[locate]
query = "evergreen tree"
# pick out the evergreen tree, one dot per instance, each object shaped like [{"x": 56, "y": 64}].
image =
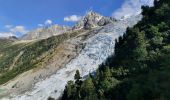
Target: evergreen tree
[
  {"x": 88, "y": 89},
  {"x": 107, "y": 73},
  {"x": 77, "y": 75},
  {"x": 70, "y": 91},
  {"x": 77, "y": 78},
  {"x": 139, "y": 51}
]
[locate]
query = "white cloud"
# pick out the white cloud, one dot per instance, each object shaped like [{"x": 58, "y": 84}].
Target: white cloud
[
  {"x": 48, "y": 22},
  {"x": 20, "y": 29},
  {"x": 131, "y": 7},
  {"x": 72, "y": 18},
  {"x": 6, "y": 34},
  {"x": 40, "y": 25},
  {"x": 13, "y": 30}
]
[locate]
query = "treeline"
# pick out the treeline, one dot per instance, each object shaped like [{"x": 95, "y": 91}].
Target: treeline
[{"x": 140, "y": 67}]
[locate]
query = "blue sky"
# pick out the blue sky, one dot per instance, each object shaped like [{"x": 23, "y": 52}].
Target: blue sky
[{"x": 19, "y": 16}]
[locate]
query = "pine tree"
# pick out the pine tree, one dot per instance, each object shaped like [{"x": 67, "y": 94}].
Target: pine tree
[
  {"x": 77, "y": 78},
  {"x": 77, "y": 75},
  {"x": 136, "y": 52},
  {"x": 88, "y": 89},
  {"x": 69, "y": 92},
  {"x": 107, "y": 73},
  {"x": 140, "y": 52}
]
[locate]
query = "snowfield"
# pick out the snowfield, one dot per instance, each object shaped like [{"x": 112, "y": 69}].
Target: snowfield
[{"x": 97, "y": 49}]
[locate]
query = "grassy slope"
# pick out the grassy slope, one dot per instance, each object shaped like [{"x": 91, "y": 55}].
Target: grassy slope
[{"x": 31, "y": 55}]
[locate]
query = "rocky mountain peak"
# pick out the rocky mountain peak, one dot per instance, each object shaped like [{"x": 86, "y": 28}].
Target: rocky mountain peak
[
  {"x": 92, "y": 20},
  {"x": 91, "y": 15}
]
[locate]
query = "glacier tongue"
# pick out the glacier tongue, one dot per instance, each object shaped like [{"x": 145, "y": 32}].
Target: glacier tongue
[{"x": 97, "y": 49}]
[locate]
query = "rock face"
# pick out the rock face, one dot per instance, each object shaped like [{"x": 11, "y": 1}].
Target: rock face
[
  {"x": 43, "y": 33},
  {"x": 92, "y": 20}
]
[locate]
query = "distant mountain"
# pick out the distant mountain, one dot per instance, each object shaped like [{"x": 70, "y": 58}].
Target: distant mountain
[
  {"x": 11, "y": 38},
  {"x": 45, "y": 32},
  {"x": 7, "y": 37},
  {"x": 92, "y": 20},
  {"x": 89, "y": 21}
]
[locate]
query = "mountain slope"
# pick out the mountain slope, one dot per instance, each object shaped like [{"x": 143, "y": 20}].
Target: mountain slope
[
  {"x": 7, "y": 40},
  {"x": 31, "y": 55},
  {"x": 93, "y": 46},
  {"x": 33, "y": 62},
  {"x": 139, "y": 68}
]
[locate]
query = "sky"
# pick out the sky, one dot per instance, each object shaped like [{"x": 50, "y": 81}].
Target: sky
[{"x": 17, "y": 17}]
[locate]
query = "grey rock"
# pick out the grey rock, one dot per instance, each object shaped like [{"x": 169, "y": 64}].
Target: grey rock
[
  {"x": 106, "y": 20},
  {"x": 92, "y": 20},
  {"x": 45, "y": 32}
]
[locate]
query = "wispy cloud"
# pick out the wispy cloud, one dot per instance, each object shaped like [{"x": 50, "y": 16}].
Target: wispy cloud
[
  {"x": 72, "y": 18},
  {"x": 46, "y": 23},
  {"x": 13, "y": 30},
  {"x": 131, "y": 7},
  {"x": 40, "y": 25}
]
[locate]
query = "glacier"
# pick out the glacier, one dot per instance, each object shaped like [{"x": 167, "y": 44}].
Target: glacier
[{"x": 97, "y": 48}]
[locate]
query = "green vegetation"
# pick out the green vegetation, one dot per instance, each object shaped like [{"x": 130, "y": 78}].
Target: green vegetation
[
  {"x": 18, "y": 58},
  {"x": 4, "y": 43},
  {"x": 139, "y": 69}
]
